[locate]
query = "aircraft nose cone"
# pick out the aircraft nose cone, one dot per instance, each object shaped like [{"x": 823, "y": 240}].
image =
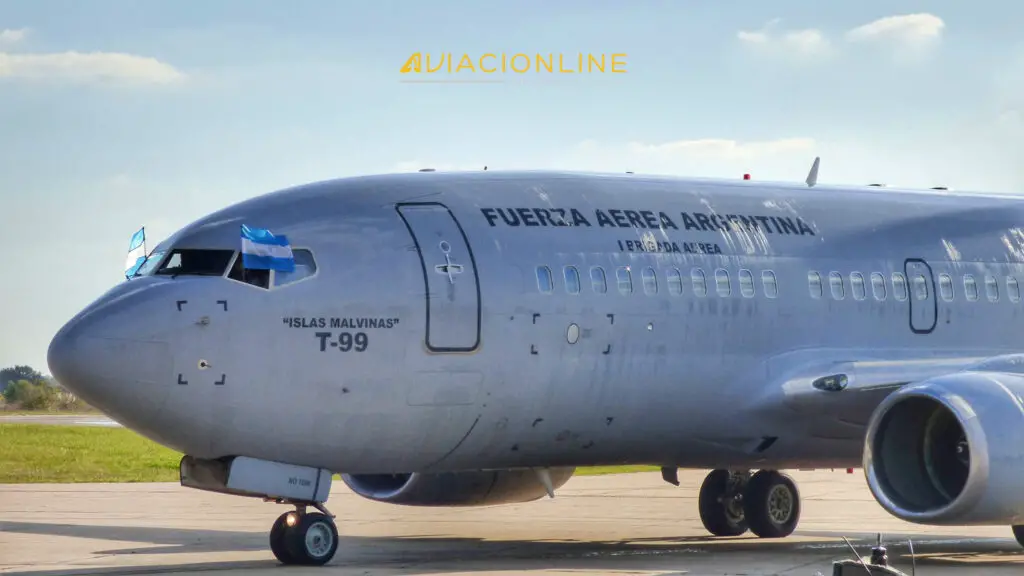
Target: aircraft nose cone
[
  {"x": 77, "y": 360},
  {"x": 60, "y": 357},
  {"x": 109, "y": 370}
]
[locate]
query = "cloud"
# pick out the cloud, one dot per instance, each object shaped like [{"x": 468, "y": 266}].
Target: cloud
[
  {"x": 87, "y": 67},
  {"x": 9, "y": 36},
  {"x": 721, "y": 149},
  {"x": 806, "y": 42},
  {"x": 710, "y": 157},
  {"x": 912, "y": 33},
  {"x": 784, "y": 158},
  {"x": 1010, "y": 118},
  {"x": 74, "y": 66},
  {"x": 752, "y": 37},
  {"x": 911, "y": 29}
]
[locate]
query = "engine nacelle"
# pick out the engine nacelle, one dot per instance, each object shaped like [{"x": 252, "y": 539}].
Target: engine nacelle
[
  {"x": 950, "y": 450},
  {"x": 456, "y": 488}
]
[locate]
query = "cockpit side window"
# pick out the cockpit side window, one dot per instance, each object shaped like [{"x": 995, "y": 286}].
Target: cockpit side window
[
  {"x": 305, "y": 266},
  {"x": 258, "y": 278},
  {"x": 149, "y": 266},
  {"x": 196, "y": 262}
]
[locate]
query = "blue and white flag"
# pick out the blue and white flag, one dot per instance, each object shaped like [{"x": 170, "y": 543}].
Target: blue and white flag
[
  {"x": 261, "y": 250},
  {"x": 136, "y": 253}
]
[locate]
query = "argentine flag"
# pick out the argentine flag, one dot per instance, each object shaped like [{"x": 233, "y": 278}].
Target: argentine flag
[
  {"x": 261, "y": 250},
  {"x": 136, "y": 253}
]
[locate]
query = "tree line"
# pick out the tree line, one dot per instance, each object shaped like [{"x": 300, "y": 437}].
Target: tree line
[{"x": 25, "y": 388}]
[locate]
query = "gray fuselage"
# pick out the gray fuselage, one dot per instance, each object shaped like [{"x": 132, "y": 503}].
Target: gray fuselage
[{"x": 427, "y": 339}]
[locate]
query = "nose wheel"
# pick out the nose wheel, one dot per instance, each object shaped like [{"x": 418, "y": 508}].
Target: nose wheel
[
  {"x": 767, "y": 503},
  {"x": 305, "y": 539}
]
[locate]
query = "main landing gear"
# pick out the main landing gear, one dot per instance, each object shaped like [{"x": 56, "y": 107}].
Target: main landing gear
[
  {"x": 766, "y": 503},
  {"x": 304, "y": 538}
]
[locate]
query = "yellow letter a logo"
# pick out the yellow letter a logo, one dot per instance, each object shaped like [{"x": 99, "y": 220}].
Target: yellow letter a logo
[{"x": 413, "y": 64}]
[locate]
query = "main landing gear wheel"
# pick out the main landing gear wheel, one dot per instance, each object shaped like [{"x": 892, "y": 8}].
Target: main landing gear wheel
[
  {"x": 721, "y": 503},
  {"x": 771, "y": 504},
  {"x": 1018, "y": 533},
  {"x": 307, "y": 539}
]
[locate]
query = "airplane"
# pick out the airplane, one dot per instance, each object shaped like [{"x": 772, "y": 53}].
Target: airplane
[{"x": 471, "y": 338}]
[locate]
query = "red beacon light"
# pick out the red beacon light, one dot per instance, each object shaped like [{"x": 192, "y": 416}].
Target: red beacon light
[{"x": 746, "y": 176}]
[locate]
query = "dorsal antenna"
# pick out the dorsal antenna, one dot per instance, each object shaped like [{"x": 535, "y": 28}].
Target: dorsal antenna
[{"x": 812, "y": 176}]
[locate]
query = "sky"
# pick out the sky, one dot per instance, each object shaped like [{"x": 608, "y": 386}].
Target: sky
[{"x": 119, "y": 114}]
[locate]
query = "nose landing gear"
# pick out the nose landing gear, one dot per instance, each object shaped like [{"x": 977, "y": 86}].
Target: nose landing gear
[{"x": 304, "y": 538}]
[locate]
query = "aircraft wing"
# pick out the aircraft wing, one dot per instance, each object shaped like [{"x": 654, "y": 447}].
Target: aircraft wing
[{"x": 836, "y": 398}]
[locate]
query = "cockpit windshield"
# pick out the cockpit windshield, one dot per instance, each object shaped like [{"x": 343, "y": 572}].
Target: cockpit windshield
[{"x": 196, "y": 262}]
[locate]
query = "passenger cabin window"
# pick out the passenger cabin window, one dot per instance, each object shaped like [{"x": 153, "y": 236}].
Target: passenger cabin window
[
  {"x": 857, "y": 286},
  {"x": 991, "y": 288},
  {"x": 814, "y": 284},
  {"x": 675, "y": 282},
  {"x": 899, "y": 286},
  {"x": 970, "y": 288},
  {"x": 878, "y": 286},
  {"x": 196, "y": 262},
  {"x": 597, "y": 280},
  {"x": 920, "y": 287},
  {"x": 700, "y": 285},
  {"x": 722, "y": 284},
  {"x": 946, "y": 287},
  {"x": 1012, "y": 289},
  {"x": 305, "y": 266},
  {"x": 835, "y": 283},
  {"x": 771, "y": 287},
  {"x": 650, "y": 280},
  {"x": 545, "y": 283},
  {"x": 746, "y": 284},
  {"x": 572, "y": 279},
  {"x": 625, "y": 280},
  {"x": 254, "y": 277}
]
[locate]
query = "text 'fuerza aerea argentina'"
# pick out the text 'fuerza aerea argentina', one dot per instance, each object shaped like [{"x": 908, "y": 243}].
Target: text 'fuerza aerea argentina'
[{"x": 647, "y": 219}]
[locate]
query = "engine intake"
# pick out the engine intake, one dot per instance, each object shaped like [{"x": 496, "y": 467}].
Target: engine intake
[
  {"x": 478, "y": 488},
  {"x": 923, "y": 457},
  {"x": 950, "y": 450}
]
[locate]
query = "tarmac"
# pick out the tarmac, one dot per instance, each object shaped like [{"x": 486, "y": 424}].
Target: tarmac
[
  {"x": 617, "y": 525},
  {"x": 59, "y": 419}
]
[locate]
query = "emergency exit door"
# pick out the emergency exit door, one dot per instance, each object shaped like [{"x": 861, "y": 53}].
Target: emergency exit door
[{"x": 450, "y": 276}]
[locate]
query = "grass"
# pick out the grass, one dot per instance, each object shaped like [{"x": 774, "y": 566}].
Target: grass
[
  {"x": 35, "y": 453},
  {"x": 31, "y": 453}
]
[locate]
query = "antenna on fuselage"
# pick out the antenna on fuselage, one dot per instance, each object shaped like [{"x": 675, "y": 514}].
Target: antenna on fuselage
[
  {"x": 812, "y": 176},
  {"x": 545, "y": 479}
]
